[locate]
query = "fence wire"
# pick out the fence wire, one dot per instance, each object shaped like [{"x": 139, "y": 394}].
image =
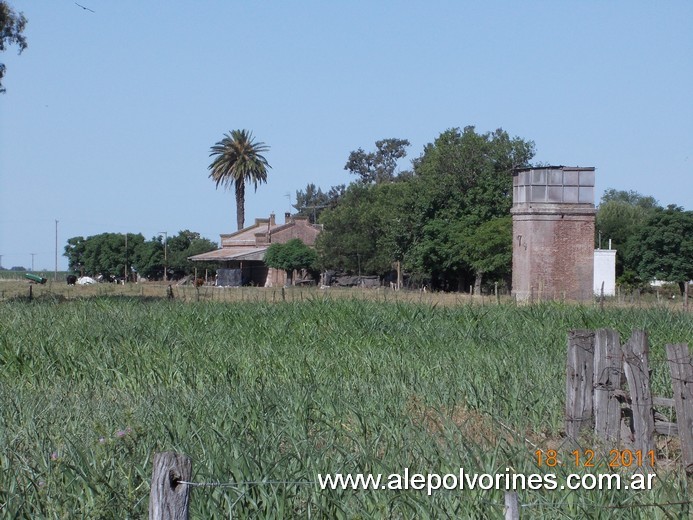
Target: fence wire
[{"x": 531, "y": 505}]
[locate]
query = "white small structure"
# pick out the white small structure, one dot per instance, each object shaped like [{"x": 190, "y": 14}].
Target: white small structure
[{"x": 605, "y": 271}]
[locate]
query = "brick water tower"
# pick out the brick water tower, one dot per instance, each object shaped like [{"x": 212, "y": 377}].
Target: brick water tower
[{"x": 553, "y": 233}]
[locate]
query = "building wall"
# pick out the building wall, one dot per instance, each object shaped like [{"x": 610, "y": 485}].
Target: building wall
[
  {"x": 605, "y": 271},
  {"x": 553, "y": 234},
  {"x": 299, "y": 228}
]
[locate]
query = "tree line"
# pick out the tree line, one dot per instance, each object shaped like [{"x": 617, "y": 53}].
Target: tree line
[
  {"x": 121, "y": 254},
  {"x": 445, "y": 221},
  {"x": 447, "y": 218},
  {"x": 651, "y": 241}
]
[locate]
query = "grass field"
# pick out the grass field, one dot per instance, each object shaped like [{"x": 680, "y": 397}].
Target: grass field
[{"x": 281, "y": 391}]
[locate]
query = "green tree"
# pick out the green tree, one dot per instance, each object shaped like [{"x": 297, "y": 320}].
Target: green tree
[
  {"x": 434, "y": 219},
  {"x": 238, "y": 159},
  {"x": 74, "y": 252},
  {"x": 184, "y": 245},
  {"x": 488, "y": 249},
  {"x": 12, "y": 26},
  {"x": 368, "y": 230},
  {"x": 663, "y": 247},
  {"x": 292, "y": 256},
  {"x": 311, "y": 202},
  {"x": 107, "y": 254},
  {"x": 631, "y": 197},
  {"x": 464, "y": 180},
  {"x": 620, "y": 216},
  {"x": 104, "y": 254},
  {"x": 148, "y": 259},
  {"x": 379, "y": 166}
]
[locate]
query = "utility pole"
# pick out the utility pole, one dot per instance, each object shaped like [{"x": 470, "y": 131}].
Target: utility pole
[
  {"x": 56, "y": 251},
  {"x": 32, "y": 261},
  {"x": 165, "y": 254},
  {"x": 315, "y": 217},
  {"x": 125, "y": 274}
]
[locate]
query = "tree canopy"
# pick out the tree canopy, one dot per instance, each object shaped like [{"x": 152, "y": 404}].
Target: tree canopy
[
  {"x": 488, "y": 250},
  {"x": 630, "y": 197},
  {"x": 430, "y": 218},
  {"x": 292, "y": 256},
  {"x": 108, "y": 254},
  {"x": 238, "y": 159},
  {"x": 620, "y": 216},
  {"x": 464, "y": 181},
  {"x": 312, "y": 201},
  {"x": 367, "y": 231},
  {"x": 379, "y": 166},
  {"x": 12, "y": 26},
  {"x": 663, "y": 247}
]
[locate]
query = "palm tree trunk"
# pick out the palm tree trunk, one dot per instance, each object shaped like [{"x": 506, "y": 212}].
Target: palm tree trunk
[{"x": 240, "y": 203}]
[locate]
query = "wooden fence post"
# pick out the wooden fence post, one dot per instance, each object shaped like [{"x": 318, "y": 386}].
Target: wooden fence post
[
  {"x": 601, "y": 298},
  {"x": 607, "y": 378},
  {"x": 637, "y": 368},
  {"x": 682, "y": 380},
  {"x": 168, "y": 499},
  {"x": 512, "y": 506},
  {"x": 579, "y": 381}
]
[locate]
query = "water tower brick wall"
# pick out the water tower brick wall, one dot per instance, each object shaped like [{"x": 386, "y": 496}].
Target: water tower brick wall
[
  {"x": 553, "y": 234},
  {"x": 553, "y": 256}
]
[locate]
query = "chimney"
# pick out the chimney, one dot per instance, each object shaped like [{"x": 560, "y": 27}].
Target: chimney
[
  {"x": 272, "y": 219},
  {"x": 287, "y": 217}
]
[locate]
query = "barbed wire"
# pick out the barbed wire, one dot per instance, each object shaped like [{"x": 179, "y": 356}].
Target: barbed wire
[
  {"x": 247, "y": 483},
  {"x": 239, "y": 484},
  {"x": 684, "y": 503}
]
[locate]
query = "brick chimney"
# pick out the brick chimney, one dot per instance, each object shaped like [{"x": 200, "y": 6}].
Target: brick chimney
[{"x": 287, "y": 217}]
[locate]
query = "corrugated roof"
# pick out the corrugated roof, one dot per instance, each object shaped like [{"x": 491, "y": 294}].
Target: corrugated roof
[
  {"x": 560, "y": 167},
  {"x": 226, "y": 254}
]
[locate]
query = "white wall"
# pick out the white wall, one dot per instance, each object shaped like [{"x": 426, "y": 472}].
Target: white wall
[{"x": 605, "y": 271}]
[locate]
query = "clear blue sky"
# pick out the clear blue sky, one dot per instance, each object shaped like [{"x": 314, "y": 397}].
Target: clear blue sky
[{"x": 109, "y": 116}]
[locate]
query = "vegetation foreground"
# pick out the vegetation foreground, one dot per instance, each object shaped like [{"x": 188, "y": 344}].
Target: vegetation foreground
[{"x": 262, "y": 391}]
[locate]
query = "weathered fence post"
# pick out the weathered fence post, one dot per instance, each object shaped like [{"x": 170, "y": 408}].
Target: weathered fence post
[
  {"x": 637, "y": 368},
  {"x": 607, "y": 379},
  {"x": 682, "y": 380},
  {"x": 579, "y": 381},
  {"x": 168, "y": 498},
  {"x": 601, "y": 298},
  {"x": 512, "y": 506}
]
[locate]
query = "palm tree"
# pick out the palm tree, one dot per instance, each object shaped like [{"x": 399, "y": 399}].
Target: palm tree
[{"x": 239, "y": 160}]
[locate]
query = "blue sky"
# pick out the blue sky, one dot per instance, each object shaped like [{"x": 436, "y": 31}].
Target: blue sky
[{"x": 109, "y": 116}]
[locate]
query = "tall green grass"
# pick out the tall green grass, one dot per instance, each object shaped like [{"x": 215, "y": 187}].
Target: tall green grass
[{"x": 261, "y": 391}]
